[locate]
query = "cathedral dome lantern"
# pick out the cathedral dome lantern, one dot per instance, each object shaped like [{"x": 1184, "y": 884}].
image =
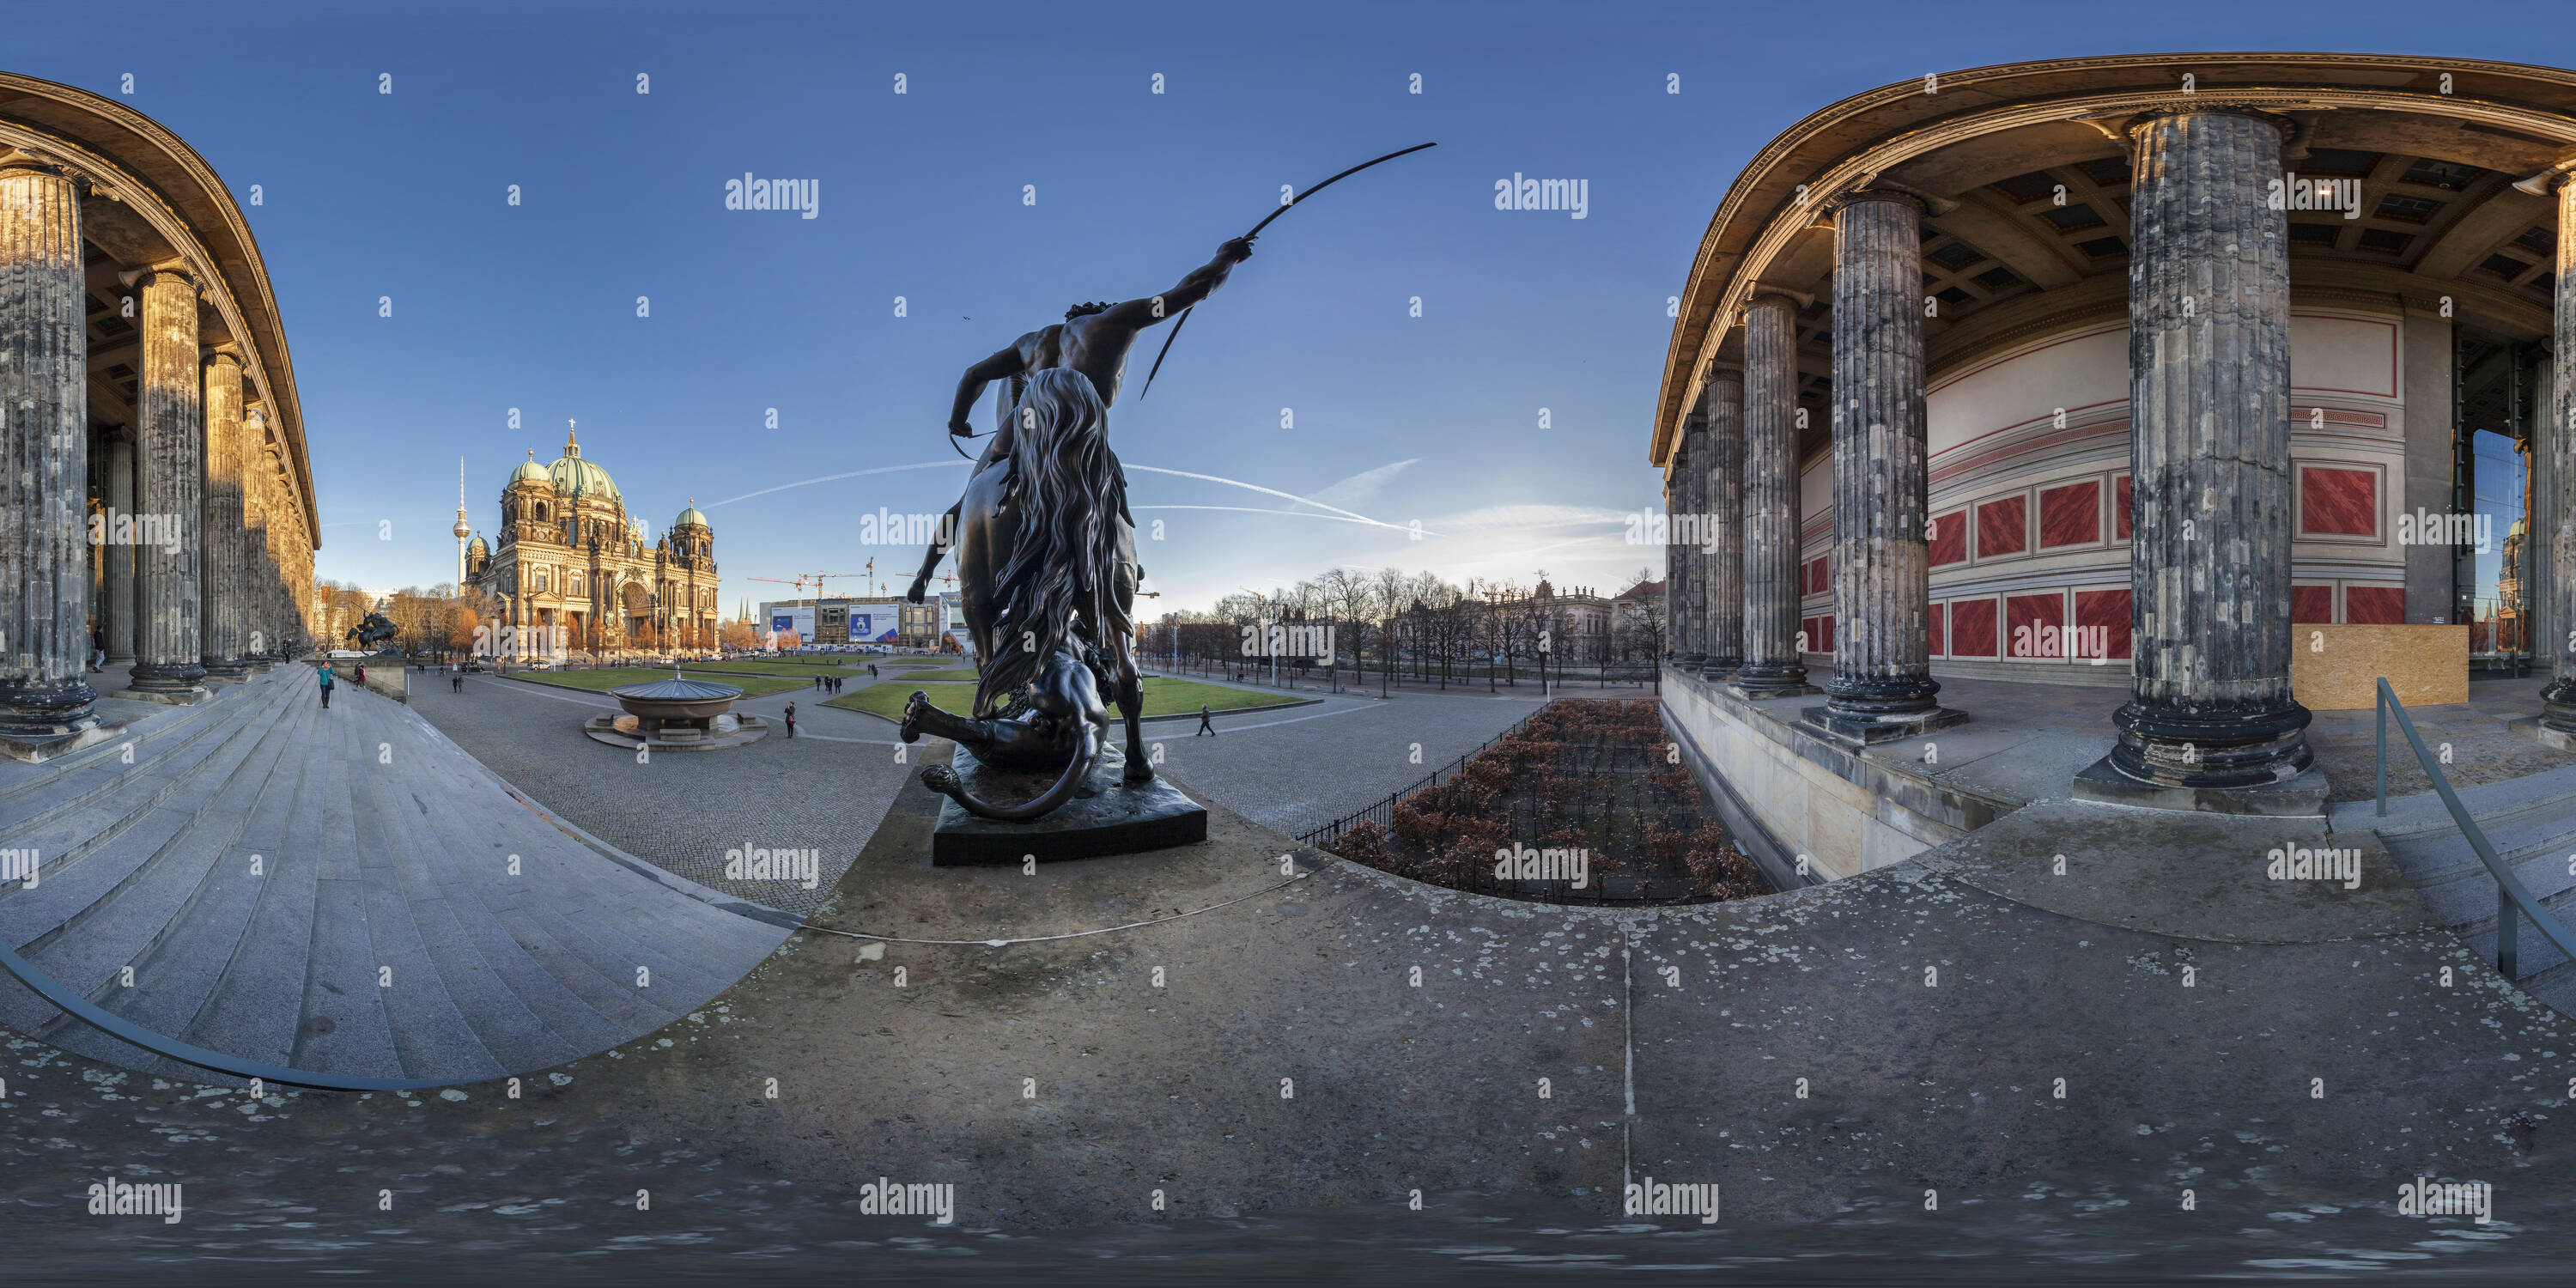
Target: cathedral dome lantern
[{"x": 577, "y": 479}]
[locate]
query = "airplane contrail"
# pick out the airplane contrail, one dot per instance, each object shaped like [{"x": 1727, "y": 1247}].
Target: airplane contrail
[{"x": 828, "y": 478}]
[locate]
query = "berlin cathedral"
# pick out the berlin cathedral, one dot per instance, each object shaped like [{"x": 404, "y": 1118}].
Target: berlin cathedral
[{"x": 572, "y": 563}]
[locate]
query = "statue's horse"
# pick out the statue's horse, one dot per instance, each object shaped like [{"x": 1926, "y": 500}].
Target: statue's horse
[
  {"x": 1047, "y": 575},
  {"x": 373, "y": 631}
]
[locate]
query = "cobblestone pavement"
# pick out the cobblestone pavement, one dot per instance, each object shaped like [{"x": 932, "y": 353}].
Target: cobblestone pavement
[
  {"x": 1287, "y": 770},
  {"x": 823, "y": 790}
]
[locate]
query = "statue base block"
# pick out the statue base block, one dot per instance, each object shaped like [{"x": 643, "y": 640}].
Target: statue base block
[{"x": 1105, "y": 817}]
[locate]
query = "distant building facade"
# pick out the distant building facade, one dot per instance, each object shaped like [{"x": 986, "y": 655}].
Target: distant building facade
[{"x": 573, "y": 563}]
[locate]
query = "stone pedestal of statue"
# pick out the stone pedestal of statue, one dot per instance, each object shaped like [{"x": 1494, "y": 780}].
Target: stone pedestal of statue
[{"x": 1105, "y": 816}]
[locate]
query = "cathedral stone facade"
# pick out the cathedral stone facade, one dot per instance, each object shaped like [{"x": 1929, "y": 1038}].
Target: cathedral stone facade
[{"x": 573, "y": 571}]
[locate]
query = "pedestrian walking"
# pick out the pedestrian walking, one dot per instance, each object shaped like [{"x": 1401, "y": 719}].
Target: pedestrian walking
[
  {"x": 362, "y": 672},
  {"x": 791, "y": 719},
  {"x": 327, "y": 680},
  {"x": 97, "y": 649},
  {"x": 456, "y": 683},
  {"x": 1204, "y": 726},
  {"x": 872, "y": 670}
]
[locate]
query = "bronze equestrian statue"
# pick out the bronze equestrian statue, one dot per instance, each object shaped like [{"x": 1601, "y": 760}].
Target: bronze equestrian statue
[
  {"x": 373, "y": 631},
  {"x": 1046, "y": 566},
  {"x": 1093, "y": 339}
]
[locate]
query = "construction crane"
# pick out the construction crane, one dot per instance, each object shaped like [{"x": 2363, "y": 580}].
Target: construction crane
[{"x": 800, "y": 581}]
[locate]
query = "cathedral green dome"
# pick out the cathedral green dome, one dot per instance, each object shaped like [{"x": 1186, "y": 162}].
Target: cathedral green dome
[
  {"x": 573, "y": 476},
  {"x": 529, "y": 472},
  {"x": 689, "y": 516}
]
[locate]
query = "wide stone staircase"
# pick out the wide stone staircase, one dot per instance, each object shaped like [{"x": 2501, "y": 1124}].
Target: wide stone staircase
[
  {"x": 2531, "y": 822},
  {"x": 341, "y": 891}
]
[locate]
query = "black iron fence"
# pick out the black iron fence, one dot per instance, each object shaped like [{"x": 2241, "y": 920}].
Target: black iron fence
[{"x": 1384, "y": 811}]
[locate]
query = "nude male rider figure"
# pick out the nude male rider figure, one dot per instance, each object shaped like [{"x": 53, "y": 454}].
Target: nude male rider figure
[{"x": 1093, "y": 339}]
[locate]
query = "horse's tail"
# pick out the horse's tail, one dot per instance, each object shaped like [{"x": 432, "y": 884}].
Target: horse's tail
[{"x": 943, "y": 780}]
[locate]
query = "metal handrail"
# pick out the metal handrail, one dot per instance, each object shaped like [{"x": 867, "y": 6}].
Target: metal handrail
[{"x": 2513, "y": 902}]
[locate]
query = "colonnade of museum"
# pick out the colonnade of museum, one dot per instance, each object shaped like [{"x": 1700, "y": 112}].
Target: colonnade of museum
[
  {"x": 2212, "y": 502},
  {"x": 168, "y": 534}
]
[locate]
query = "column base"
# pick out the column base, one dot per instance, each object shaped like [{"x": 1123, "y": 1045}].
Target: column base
[
  {"x": 1720, "y": 668},
  {"x": 2538, "y": 729},
  {"x": 229, "y": 671},
  {"x": 1691, "y": 661},
  {"x": 1864, "y": 730},
  {"x": 1759, "y": 681},
  {"x": 33, "y": 744},
  {"x": 2301, "y": 795},
  {"x": 179, "y": 686},
  {"x": 2557, "y": 709}
]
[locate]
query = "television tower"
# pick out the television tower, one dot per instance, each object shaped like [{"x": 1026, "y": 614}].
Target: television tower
[{"x": 462, "y": 529}]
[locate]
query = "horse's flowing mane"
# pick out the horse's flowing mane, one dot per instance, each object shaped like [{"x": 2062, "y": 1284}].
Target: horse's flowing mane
[{"x": 1063, "y": 563}]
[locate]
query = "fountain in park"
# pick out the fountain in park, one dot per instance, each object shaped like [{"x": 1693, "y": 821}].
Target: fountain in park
[{"x": 677, "y": 714}]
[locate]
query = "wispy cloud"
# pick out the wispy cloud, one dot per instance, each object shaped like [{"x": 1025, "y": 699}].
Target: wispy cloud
[
  {"x": 1360, "y": 488},
  {"x": 1526, "y": 517}
]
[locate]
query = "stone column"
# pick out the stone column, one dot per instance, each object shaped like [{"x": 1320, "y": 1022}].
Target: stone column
[
  {"x": 1691, "y": 646},
  {"x": 1723, "y": 406},
  {"x": 169, "y": 476},
  {"x": 46, "y": 704},
  {"x": 2210, "y": 711},
  {"x": 118, "y": 611},
  {"x": 1772, "y": 666},
  {"x": 261, "y": 638},
  {"x": 1882, "y": 687},
  {"x": 2558, "y": 698},
  {"x": 223, "y": 637},
  {"x": 1673, "y": 557}
]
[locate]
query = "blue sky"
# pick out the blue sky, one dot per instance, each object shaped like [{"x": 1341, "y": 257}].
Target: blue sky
[{"x": 1433, "y": 419}]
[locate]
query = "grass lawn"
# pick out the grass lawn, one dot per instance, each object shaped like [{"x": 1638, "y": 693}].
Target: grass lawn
[
  {"x": 801, "y": 667},
  {"x": 1163, "y": 697},
  {"x": 752, "y": 686}
]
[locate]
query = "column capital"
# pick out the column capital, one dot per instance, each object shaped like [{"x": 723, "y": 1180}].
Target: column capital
[
  {"x": 1877, "y": 189},
  {"x": 1766, "y": 293},
  {"x": 21, "y": 159},
  {"x": 142, "y": 275},
  {"x": 2263, "y": 110},
  {"x": 2548, "y": 182},
  {"x": 1718, "y": 371},
  {"x": 223, "y": 353}
]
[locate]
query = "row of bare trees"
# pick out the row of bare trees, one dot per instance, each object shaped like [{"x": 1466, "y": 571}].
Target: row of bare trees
[{"x": 1397, "y": 625}]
